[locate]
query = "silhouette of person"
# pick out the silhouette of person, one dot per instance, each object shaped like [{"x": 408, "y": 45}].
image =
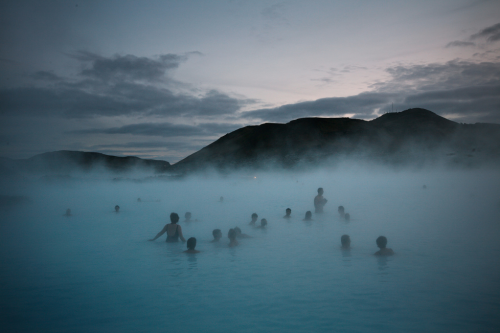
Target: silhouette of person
[
  {"x": 319, "y": 201},
  {"x": 221, "y": 199},
  {"x": 345, "y": 240},
  {"x": 347, "y": 217},
  {"x": 117, "y": 208},
  {"x": 191, "y": 244},
  {"x": 263, "y": 223},
  {"x": 308, "y": 216},
  {"x": 382, "y": 243},
  {"x": 288, "y": 213},
  {"x": 232, "y": 238},
  {"x": 254, "y": 219},
  {"x": 187, "y": 217},
  {"x": 139, "y": 200},
  {"x": 173, "y": 230},
  {"x": 217, "y": 235},
  {"x": 68, "y": 212},
  {"x": 341, "y": 211},
  {"x": 239, "y": 234}
]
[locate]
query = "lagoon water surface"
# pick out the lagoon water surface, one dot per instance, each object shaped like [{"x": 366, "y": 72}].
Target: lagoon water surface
[{"x": 96, "y": 271}]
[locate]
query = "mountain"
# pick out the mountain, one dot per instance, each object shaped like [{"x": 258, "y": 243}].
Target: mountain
[
  {"x": 408, "y": 137},
  {"x": 65, "y": 161}
]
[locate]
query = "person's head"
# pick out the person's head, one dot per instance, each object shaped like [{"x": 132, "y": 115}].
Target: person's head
[
  {"x": 68, "y": 211},
  {"x": 191, "y": 243},
  {"x": 320, "y": 191},
  {"x": 254, "y": 217},
  {"x": 237, "y": 230},
  {"x": 288, "y": 212},
  {"x": 308, "y": 215},
  {"x": 117, "y": 208},
  {"x": 341, "y": 209},
  {"x": 231, "y": 234},
  {"x": 381, "y": 242},
  {"x": 263, "y": 222},
  {"x": 138, "y": 199},
  {"x": 221, "y": 198},
  {"x": 174, "y": 218},
  {"x": 345, "y": 240},
  {"x": 217, "y": 233},
  {"x": 347, "y": 217},
  {"x": 187, "y": 216}
]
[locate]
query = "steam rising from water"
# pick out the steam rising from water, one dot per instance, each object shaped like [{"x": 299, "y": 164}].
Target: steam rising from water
[{"x": 96, "y": 271}]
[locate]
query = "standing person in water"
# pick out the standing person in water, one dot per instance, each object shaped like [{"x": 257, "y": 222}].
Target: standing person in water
[
  {"x": 341, "y": 211},
  {"x": 382, "y": 243},
  {"x": 187, "y": 217},
  {"x": 347, "y": 217},
  {"x": 232, "y": 238},
  {"x": 319, "y": 201},
  {"x": 308, "y": 216},
  {"x": 217, "y": 235},
  {"x": 191, "y": 244},
  {"x": 288, "y": 213},
  {"x": 263, "y": 223},
  {"x": 173, "y": 230},
  {"x": 117, "y": 208},
  {"x": 254, "y": 218},
  {"x": 345, "y": 240}
]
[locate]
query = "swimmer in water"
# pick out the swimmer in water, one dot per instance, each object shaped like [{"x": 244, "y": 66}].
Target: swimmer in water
[
  {"x": 341, "y": 211},
  {"x": 68, "y": 212},
  {"x": 187, "y": 217},
  {"x": 117, "y": 208},
  {"x": 263, "y": 223},
  {"x": 382, "y": 243},
  {"x": 232, "y": 238},
  {"x": 288, "y": 213},
  {"x": 254, "y": 219},
  {"x": 319, "y": 201},
  {"x": 139, "y": 200},
  {"x": 217, "y": 235},
  {"x": 173, "y": 230},
  {"x": 239, "y": 234},
  {"x": 345, "y": 240},
  {"x": 191, "y": 244},
  {"x": 347, "y": 217},
  {"x": 221, "y": 199},
  {"x": 308, "y": 216}
]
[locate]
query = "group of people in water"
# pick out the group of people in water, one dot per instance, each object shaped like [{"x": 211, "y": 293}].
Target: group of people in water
[{"x": 174, "y": 231}]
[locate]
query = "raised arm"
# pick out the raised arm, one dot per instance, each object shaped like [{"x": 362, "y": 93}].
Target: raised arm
[
  {"x": 164, "y": 230},
  {"x": 180, "y": 233}
]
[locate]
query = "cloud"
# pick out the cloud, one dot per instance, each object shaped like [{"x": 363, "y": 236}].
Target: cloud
[
  {"x": 491, "y": 34},
  {"x": 458, "y": 43},
  {"x": 165, "y": 129},
  {"x": 115, "y": 86}
]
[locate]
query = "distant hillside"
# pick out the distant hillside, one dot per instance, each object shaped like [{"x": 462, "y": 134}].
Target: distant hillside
[
  {"x": 65, "y": 161},
  {"x": 408, "y": 137}
]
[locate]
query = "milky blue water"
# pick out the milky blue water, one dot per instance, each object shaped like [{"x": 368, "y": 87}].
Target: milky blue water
[{"x": 96, "y": 271}]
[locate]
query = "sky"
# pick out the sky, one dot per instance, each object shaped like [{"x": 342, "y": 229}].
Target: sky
[{"x": 163, "y": 79}]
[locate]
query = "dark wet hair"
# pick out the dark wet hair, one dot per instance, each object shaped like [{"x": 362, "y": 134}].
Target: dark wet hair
[
  {"x": 381, "y": 242},
  {"x": 188, "y": 214},
  {"x": 231, "y": 234},
  {"x": 117, "y": 207},
  {"x": 237, "y": 230},
  {"x": 345, "y": 240},
  {"x": 320, "y": 189},
  {"x": 216, "y": 232},
  {"x": 288, "y": 209},
  {"x": 254, "y": 215},
  {"x": 191, "y": 243},
  {"x": 308, "y": 214},
  {"x": 347, "y": 217},
  {"x": 341, "y": 209},
  {"x": 263, "y": 222},
  {"x": 174, "y": 218}
]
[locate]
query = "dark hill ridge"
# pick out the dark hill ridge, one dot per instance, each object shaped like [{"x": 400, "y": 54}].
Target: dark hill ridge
[
  {"x": 410, "y": 136},
  {"x": 65, "y": 161}
]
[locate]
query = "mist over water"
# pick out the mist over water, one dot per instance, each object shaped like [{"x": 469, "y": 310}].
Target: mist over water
[{"x": 96, "y": 271}]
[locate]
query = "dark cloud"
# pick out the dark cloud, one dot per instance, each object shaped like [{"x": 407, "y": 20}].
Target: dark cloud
[
  {"x": 466, "y": 90},
  {"x": 128, "y": 67},
  {"x": 120, "y": 85},
  {"x": 491, "y": 34},
  {"x": 458, "y": 43},
  {"x": 165, "y": 129}
]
